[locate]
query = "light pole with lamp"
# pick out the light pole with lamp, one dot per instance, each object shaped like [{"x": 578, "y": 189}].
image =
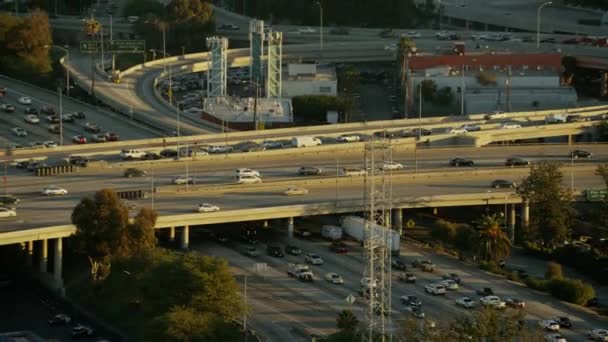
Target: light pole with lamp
[
  {"x": 320, "y": 29},
  {"x": 67, "y": 66},
  {"x": 60, "y": 114},
  {"x": 538, "y": 22}
]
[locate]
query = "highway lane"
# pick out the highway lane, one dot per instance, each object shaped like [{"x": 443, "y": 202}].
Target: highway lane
[
  {"x": 37, "y": 210},
  {"x": 107, "y": 120}
]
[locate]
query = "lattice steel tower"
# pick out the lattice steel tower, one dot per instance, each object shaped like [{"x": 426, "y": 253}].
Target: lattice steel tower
[
  {"x": 216, "y": 76},
  {"x": 275, "y": 59},
  {"x": 378, "y": 238},
  {"x": 256, "y": 42}
]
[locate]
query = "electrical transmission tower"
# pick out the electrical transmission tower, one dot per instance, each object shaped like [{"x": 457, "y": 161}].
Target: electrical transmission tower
[{"x": 378, "y": 238}]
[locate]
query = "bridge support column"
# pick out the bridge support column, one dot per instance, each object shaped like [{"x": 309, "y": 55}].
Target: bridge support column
[
  {"x": 58, "y": 263},
  {"x": 185, "y": 243},
  {"x": 44, "y": 254},
  {"x": 525, "y": 215},
  {"x": 512, "y": 223},
  {"x": 569, "y": 139},
  {"x": 172, "y": 234},
  {"x": 29, "y": 253},
  {"x": 398, "y": 219},
  {"x": 290, "y": 228},
  {"x": 265, "y": 224},
  {"x": 435, "y": 211}
]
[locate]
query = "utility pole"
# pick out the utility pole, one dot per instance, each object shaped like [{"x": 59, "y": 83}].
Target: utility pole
[
  {"x": 508, "y": 88},
  {"x": 462, "y": 86},
  {"x": 60, "y": 115}
]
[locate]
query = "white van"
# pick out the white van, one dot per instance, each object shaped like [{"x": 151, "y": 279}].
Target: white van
[
  {"x": 305, "y": 141},
  {"x": 132, "y": 154}
]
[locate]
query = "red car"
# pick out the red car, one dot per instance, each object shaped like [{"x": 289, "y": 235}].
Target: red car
[
  {"x": 2, "y": 91},
  {"x": 111, "y": 136},
  {"x": 338, "y": 247},
  {"x": 79, "y": 139}
]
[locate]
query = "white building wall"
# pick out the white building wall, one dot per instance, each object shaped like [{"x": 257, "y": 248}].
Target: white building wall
[
  {"x": 293, "y": 88},
  {"x": 541, "y": 81}
]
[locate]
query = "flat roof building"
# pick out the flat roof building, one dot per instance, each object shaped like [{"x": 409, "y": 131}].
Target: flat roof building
[{"x": 309, "y": 79}]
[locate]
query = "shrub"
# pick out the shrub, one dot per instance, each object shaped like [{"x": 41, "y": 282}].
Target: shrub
[
  {"x": 492, "y": 267},
  {"x": 537, "y": 283},
  {"x": 571, "y": 290},
  {"x": 538, "y": 251},
  {"x": 444, "y": 231},
  {"x": 554, "y": 271}
]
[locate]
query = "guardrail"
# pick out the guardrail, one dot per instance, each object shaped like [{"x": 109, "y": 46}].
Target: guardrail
[
  {"x": 56, "y": 170},
  {"x": 132, "y": 194}
]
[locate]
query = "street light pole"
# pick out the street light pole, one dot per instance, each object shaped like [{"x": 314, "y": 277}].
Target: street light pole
[
  {"x": 60, "y": 115},
  {"x": 67, "y": 66},
  {"x": 538, "y": 22},
  {"x": 111, "y": 40},
  {"x": 320, "y": 29}
]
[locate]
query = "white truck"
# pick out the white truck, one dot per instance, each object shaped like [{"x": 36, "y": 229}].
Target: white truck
[
  {"x": 299, "y": 271},
  {"x": 331, "y": 232},
  {"x": 305, "y": 141},
  {"x": 555, "y": 119},
  {"x": 354, "y": 227},
  {"x": 132, "y": 154}
]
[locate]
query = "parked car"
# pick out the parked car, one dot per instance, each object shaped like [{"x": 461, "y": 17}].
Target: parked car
[
  {"x": 580, "y": 154},
  {"x": 516, "y": 161},
  {"x": 309, "y": 171},
  {"x": 503, "y": 184},
  {"x": 459, "y": 161}
]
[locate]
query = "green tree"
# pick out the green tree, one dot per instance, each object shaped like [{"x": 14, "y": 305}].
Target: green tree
[
  {"x": 493, "y": 242},
  {"x": 347, "y": 322},
  {"x": 466, "y": 239},
  {"x": 488, "y": 324},
  {"x": 444, "y": 96},
  {"x": 103, "y": 231},
  {"x": 554, "y": 271},
  {"x": 550, "y": 209},
  {"x": 602, "y": 129},
  {"x": 429, "y": 90}
]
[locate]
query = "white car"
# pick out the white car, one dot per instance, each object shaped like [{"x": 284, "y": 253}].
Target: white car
[
  {"x": 6, "y": 212},
  {"x": 555, "y": 338},
  {"x": 391, "y": 165},
  {"x": 465, "y": 302},
  {"x": 435, "y": 289},
  {"x": 458, "y": 131},
  {"x": 493, "y": 301},
  {"x": 54, "y": 190},
  {"x": 25, "y": 100},
  {"x": 598, "y": 335},
  {"x": 18, "y": 131},
  {"x": 32, "y": 119},
  {"x": 313, "y": 259},
  {"x": 412, "y": 34},
  {"x": 219, "y": 149},
  {"x": 471, "y": 128},
  {"x": 510, "y": 125},
  {"x": 207, "y": 208},
  {"x": 292, "y": 190},
  {"x": 497, "y": 114},
  {"x": 549, "y": 324},
  {"x": 247, "y": 172},
  {"x": 449, "y": 284},
  {"x": 248, "y": 180},
  {"x": 50, "y": 144},
  {"x": 306, "y": 30},
  {"x": 348, "y": 138},
  {"x": 390, "y": 47},
  {"x": 353, "y": 171},
  {"x": 180, "y": 180},
  {"x": 555, "y": 119},
  {"x": 334, "y": 278}
]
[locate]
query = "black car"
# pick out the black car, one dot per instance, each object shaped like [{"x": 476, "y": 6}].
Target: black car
[
  {"x": 168, "y": 153},
  {"x": 411, "y": 301},
  {"x": 79, "y": 115},
  {"x": 421, "y": 132},
  {"x": 133, "y": 172},
  {"x": 342, "y": 31},
  {"x": 47, "y": 110},
  {"x": 515, "y": 303},
  {"x": 502, "y": 184},
  {"x": 23, "y": 164},
  {"x": 8, "y": 200},
  {"x": 293, "y": 250},
  {"x": 461, "y": 162},
  {"x": 79, "y": 161},
  {"x": 8, "y": 108},
  {"x": 564, "y": 322},
  {"x": 453, "y": 276},
  {"x": 275, "y": 251},
  {"x": 31, "y": 110},
  {"x": 151, "y": 156},
  {"x": 399, "y": 264},
  {"x": 59, "y": 319},
  {"x": 81, "y": 331},
  {"x": 515, "y": 161},
  {"x": 580, "y": 154},
  {"x": 576, "y": 118},
  {"x": 309, "y": 171},
  {"x": 486, "y": 291}
]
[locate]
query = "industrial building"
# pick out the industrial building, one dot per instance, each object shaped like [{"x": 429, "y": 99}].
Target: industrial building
[{"x": 309, "y": 79}]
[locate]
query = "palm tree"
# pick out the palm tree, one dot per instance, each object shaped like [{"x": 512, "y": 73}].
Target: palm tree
[
  {"x": 347, "y": 321},
  {"x": 494, "y": 244}
]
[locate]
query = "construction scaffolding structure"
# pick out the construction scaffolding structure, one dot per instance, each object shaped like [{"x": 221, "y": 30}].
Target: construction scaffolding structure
[
  {"x": 275, "y": 60},
  {"x": 218, "y": 66},
  {"x": 378, "y": 201},
  {"x": 256, "y": 42}
]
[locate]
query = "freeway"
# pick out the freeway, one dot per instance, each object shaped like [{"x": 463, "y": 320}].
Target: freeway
[
  {"x": 39, "y": 211},
  {"x": 107, "y": 120}
]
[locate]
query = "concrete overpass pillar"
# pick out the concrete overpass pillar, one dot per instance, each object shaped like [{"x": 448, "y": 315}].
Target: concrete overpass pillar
[
  {"x": 44, "y": 254},
  {"x": 172, "y": 234},
  {"x": 398, "y": 219},
  {"x": 185, "y": 243},
  {"x": 290, "y": 228},
  {"x": 265, "y": 224},
  {"x": 525, "y": 215},
  {"x": 29, "y": 253},
  {"x": 435, "y": 211},
  {"x": 569, "y": 139},
  {"x": 58, "y": 262},
  {"x": 512, "y": 223}
]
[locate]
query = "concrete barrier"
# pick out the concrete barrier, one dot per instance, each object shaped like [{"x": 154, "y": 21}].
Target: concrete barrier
[
  {"x": 132, "y": 194},
  {"x": 56, "y": 170}
]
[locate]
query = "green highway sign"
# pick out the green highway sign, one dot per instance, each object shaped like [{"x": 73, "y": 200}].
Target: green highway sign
[
  {"x": 596, "y": 195},
  {"x": 115, "y": 46}
]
